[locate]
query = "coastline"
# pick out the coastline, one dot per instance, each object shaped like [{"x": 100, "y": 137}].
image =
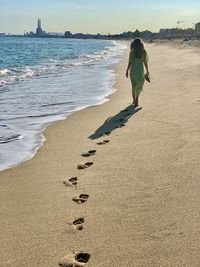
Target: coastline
[
  {"x": 41, "y": 135},
  {"x": 28, "y": 175},
  {"x": 137, "y": 179},
  {"x": 21, "y": 144}
]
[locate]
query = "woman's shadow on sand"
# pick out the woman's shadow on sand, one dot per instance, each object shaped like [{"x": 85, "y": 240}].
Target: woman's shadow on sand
[{"x": 117, "y": 121}]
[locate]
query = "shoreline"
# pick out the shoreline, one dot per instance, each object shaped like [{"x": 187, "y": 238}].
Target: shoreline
[
  {"x": 131, "y": 215},
  {"x": 31, "y": 142},
  {"x": 6, "y": 176},
  {"x": 41, "y": 134}
]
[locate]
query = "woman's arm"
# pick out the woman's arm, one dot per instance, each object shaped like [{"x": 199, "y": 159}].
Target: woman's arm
[
  {"x": 128, "y": 67},
  {"x": 129, "y": 63},
  {"x": 146, "y": 66},
  {"x": 146, "y": 59}
]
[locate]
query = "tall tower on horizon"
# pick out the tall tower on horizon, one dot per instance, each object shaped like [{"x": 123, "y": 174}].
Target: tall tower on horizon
[
  {"x": 39, "y": 24},
  {"x": 39, "y": 31}
]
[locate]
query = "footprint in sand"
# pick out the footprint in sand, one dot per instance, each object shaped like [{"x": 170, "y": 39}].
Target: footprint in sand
[
  {"x": 71, "y": 181},
  {"x": 89, "y": 153},
  {"x": 103, "y": 142},
  {"x": 84, "y": 166},
  {"x": 75, "y": 260},
  {"x": 78, "y": 223},
  {"x": 81, "y": 199}
]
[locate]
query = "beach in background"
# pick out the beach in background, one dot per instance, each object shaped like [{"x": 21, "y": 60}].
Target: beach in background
[{"x": 137, "y": 201}]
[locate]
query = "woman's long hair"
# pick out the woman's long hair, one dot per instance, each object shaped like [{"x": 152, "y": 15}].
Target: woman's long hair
[{"x": 138, "y": 48}]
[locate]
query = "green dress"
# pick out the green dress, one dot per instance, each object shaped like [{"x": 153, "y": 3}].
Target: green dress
[{"x": 137, "y": 72}]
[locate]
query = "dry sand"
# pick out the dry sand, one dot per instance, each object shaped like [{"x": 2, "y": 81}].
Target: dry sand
[
  {"x": 143, "y": 208},
  {"x": 179, "y": 43}
]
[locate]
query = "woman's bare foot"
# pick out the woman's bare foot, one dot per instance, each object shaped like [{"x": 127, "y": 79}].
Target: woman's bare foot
[{"x": 136, "y": 102}]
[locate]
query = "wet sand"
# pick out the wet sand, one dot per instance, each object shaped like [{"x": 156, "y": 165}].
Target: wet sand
[{"x": 137, "y": 205}]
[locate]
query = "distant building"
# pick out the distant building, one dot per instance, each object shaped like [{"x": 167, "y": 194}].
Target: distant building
[
  {"x": 56, "y": 34},
  {"x": 39, "y": 32},
  {"x": 176, "y": 33},
  {"x": 167, "y": 32},
  {"x": 30, "y": 34},
  {"x": 39, "y": 28},
  {"x": 197, "y": 26},
  {"x": 68, "y": 34},
  {"x": 146, "y": 34}
]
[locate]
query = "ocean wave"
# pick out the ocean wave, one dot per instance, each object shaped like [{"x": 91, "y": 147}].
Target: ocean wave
[
  {"x": 50, "y": 92},
  {"x": 55, "y": 67},
  {"x": 57, "y": 104},
  {"x": 13, "y": 118},
  {"x": 7, "y": 135},
  {"x": 4, "y": 71},
  {"x": 9, "y": 139}
]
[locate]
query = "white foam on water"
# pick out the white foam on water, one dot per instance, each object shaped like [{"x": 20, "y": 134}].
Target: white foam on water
[{"x": 34, "y": 96}]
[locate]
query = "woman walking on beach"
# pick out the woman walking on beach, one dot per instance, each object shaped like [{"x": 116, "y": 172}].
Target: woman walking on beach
[{"x": 137, "y": 58}]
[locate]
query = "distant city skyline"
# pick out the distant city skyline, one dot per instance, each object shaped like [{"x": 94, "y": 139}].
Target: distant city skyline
[{"x": 105, "y": 16}]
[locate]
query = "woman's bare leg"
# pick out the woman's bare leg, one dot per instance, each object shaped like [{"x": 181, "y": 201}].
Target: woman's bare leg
[
  {"x": 136, "y": 101},
  {"x": 133, "y": 98}
]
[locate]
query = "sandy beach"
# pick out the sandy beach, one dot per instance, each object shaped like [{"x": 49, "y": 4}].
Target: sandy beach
[{"x": 142, "y": 192}]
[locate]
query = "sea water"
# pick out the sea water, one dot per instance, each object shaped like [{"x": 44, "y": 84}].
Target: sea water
[{"x": 43, "y": 80}]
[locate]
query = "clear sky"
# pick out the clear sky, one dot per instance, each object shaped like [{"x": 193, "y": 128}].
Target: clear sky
[{"x": 96, "y": 16}]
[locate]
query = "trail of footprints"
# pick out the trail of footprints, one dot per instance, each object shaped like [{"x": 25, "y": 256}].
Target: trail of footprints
[{"x": 81, "y": 258}]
